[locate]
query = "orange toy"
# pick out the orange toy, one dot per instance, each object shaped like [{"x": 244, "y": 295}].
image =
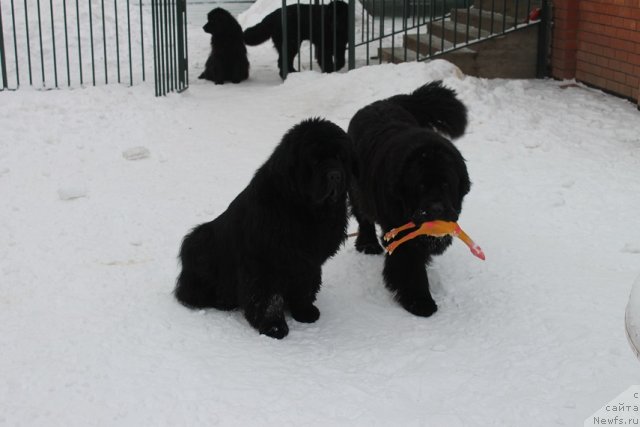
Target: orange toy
[{"x": 435, "y": 229}]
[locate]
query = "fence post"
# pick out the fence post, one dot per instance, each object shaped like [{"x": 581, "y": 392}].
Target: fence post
[
  {"x": 285, "y": 57},
  {"x": 543, "y": 40},
  {"x": 3, "y": 57},
  {"x": 352, "y": 34}
]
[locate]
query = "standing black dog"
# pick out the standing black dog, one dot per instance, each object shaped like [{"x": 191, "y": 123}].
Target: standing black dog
[
  {"x": 264, "y": 254},
  {"x": 312, "y": 22},
  {"x": 408, "y": 171},
  {"x": 228, "y": 59}
]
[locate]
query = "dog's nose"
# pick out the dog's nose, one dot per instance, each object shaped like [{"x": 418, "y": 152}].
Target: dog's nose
[
  {"x": 334, "y": 177},
  {"x": 436, "y": 209}
]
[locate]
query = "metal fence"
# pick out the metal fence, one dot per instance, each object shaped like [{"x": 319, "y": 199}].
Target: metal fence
[
  {"x": 410, "y": 30},
  {"x": 170, "y": 57},
  {"x": 75, "y": 43}
]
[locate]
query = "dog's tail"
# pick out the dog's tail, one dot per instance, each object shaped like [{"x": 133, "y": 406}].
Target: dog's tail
[
  {"x": 259, "y": 33},
  {"x": 435, "y": 106}
]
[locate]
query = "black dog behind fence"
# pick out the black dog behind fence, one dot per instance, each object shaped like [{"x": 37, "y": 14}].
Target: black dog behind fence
[{"x": 74, "y": 43}]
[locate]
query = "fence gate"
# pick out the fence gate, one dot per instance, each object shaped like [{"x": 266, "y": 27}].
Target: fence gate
[
  {"x": 170, "y": 58},
  {"x": 50, "y": 44}
]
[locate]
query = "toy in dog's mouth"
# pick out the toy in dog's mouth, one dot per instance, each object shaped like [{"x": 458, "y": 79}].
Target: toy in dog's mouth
[{"x": 435, "y": 229}]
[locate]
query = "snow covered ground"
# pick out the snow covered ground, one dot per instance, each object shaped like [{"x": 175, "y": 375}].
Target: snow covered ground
[{"x": 91, "y": 335}]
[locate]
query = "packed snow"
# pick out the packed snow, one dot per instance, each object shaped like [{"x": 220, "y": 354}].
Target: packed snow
[{"x": 99, "y": 185}]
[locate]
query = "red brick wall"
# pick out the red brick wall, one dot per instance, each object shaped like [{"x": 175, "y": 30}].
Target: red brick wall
[{"x": 598, "y": 42}]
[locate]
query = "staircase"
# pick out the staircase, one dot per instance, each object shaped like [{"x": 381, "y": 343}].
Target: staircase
[{"x": 480, "y": 39}]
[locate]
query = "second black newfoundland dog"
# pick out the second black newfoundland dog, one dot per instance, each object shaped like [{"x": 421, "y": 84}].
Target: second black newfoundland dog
[
  {"x": 228, "y": 58},
  {"x": 409, "y": 171},
  {"x": 326, "y": 26},
  {"x": 264, "y": 254}
]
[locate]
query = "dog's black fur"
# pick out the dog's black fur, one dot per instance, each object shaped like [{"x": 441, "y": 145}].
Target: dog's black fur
[
  {"x": 313, "y": 21},
  {"x": 408, "y": 171},
  {"x": 265, "y": 253},
  {"x": 228, "y": 59}
]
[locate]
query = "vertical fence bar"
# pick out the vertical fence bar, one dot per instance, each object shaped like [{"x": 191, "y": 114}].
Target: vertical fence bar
[
  {"x": 335, "y": 37},
  {"x": 15, "y": 42},
  {"x": 311, "y": 47},
  {"x": 129, "y": 43},
  {"x": 298, "y": 29},
  {"x": 186, "y": 44},
  {"x": 393, "y": 30},
  {"x": 41, "y": 48},
  {"x": 3, "y": 57},
  {"x": 285, "y": 60},
  {"x": 142, "y": 41},
  {"x": 167, "y": 52},
  {"x": 79, "y": 42},
  {"x": 155, "y": 45},
  {"x": 352, "y": 33},
  {"x": 322, "y": 37},
  {"x": 493, "y": 11},
  {"x": 480, "y": 19},
  {"x": 182, "y": 63},
  {"x": 174, "y": 54},
  {"x": 93, "y": 62},
  {"x": 515, "y": 16},
  {"x": 53, "y": 43},
  {"x": 66, "y": 40},
  {"x": 26, "y": 24},
  {"x": 504, "y": 15},
  {"x": 115, "y": 7},
  {"x": 381, "y": 29},
  {"x": 104, "y": 44}
]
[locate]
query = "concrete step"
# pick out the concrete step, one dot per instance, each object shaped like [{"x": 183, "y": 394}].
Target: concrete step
[
  {"x": 511, "y": 7},
  {"x": 492, "y": 22},
  {"x": 426, "y": 44},
  {"x": 396, "y": 55},
  {"x": 456, "y": 32}
]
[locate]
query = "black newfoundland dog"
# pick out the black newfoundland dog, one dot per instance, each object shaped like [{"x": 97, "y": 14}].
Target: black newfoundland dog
[
  {"x": 408, "y": 171},
  {"x": 228, "y": 59},
  {"x": 264, "y": 254},
  {"x": 312, "y": 22}
]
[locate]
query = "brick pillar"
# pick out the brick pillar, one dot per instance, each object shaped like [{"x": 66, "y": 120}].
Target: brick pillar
[{"x": 564, "y": 39}]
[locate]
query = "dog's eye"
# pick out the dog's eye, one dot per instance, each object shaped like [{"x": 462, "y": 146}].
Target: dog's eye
[{"x": 421, "y": 187}]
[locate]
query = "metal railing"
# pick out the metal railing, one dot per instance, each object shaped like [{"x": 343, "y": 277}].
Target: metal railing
[
  {"x": 170, "y": 57},
  {"x": 51, "y": 44},
  {"x": 417, "y": 30}
]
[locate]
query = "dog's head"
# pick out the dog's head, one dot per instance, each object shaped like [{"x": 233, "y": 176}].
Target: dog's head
[
  {"x": 431, "y": 179},
  {"x": 314, "y": 161},
  {"x": 220, "y": 21}
]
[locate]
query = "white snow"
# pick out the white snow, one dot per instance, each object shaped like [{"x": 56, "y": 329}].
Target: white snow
[{"x": 90, "y": 333}]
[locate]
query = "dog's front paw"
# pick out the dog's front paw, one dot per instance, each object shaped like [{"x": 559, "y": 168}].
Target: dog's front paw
[
  {"x": 275, "y": 329},
  {"x": 423, "y": 306},
  {"x": 369, "y": 247},
  {"x": 306, "y": 314}
]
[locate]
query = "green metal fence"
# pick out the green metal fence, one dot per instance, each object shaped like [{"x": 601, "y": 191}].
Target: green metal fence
[
  {"x": 170, "y": 60},
  {"x": 51, "y": 44}
]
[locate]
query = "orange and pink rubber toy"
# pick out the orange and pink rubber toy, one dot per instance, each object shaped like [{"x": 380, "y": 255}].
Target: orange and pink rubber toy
[{"x": 435, "y": 229}]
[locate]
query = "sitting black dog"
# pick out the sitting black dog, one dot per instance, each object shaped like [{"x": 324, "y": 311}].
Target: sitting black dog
[
  {"x": 312, "y": 22},
  {"x": 228, "y": 59},
  {"x": 408, "y": 171},
  {"x": 265, "y": 253}
]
